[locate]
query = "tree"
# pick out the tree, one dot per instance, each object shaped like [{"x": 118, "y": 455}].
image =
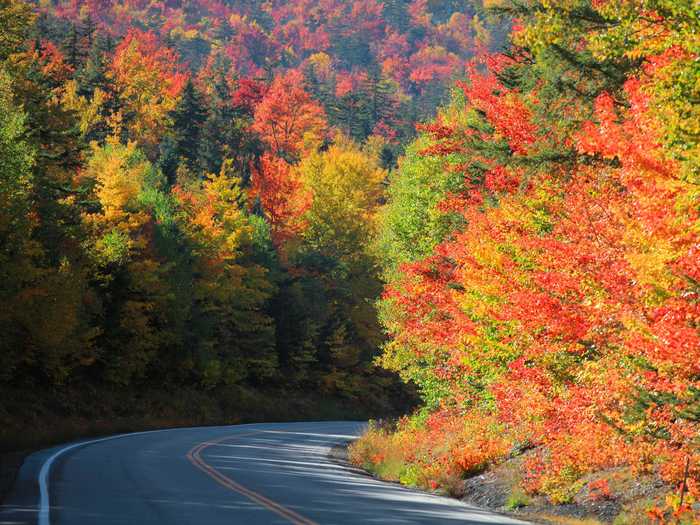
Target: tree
[
  {"x": 148, "y": 80},
  {"x": 236, "y": 340},
  {"x": 283, "y": 197},
  {"x": 15, "y": 21},
  {"x": 47, "y": 335},
  {"x": 225, "y": 134},
  {"x": 188, "y": 118},
  {"x": 131, "y": 281},
  {"x": 289, "y": 122},
  {"x": 561, "y": 306},
  {"x": 345, "y": 186},
  {"x": 16, "y": 225}
]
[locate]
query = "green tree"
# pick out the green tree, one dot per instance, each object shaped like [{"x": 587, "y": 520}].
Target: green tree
[
  {"x": 236, "y": 337},
  {"x": 188, "y": 118},
  {"x": 15, "y": 21}
]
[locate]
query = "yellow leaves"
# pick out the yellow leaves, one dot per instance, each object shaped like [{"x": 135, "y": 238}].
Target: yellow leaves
[
  {"x": 346, "y": 187},
  {"x": 322, "y": 65},
  {"x": 119, "y": 181},
  {"x": 88, "y": 111},
  {"x": 120, "y": 175},
  {"x": 651, "y": 264}
]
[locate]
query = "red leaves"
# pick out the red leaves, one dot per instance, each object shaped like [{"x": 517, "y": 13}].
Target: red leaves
[
  {"x": 248, "y": 94},
  {"x": 288, "y": 120},
  {"x": 282, "y": 195},
  {"x": 568, "y": 294},
  {"x": 504, "y": 109}
]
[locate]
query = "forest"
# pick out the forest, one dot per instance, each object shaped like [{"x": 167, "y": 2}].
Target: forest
[
  {"x": 484, "y": 214},
  {"x": 188, "y": 197}
]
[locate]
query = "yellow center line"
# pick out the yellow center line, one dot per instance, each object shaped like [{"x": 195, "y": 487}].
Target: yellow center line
[{"x": 195, "y": 457}]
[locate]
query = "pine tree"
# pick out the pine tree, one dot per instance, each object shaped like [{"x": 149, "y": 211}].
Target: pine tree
[
  {"x": 88, "y": 30},
  {"x": 396, "y": 13},
  {"x": 93, "y": 77},
  {"x": 188, "y": 118},
  {"x": 71, "y": 47}
]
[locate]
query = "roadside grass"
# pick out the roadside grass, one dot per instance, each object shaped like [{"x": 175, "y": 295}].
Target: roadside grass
[
  {"x": 517, "y": 499},
  {"x": 33, "y": 420}
]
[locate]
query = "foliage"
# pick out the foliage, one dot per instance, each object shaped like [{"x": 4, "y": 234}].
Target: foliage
[
  {"x": 174, "y": 195},
  {"x": 564, "y": 302}
]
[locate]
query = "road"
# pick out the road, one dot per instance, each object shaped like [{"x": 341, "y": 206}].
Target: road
[{"x": 276, "y": 473}]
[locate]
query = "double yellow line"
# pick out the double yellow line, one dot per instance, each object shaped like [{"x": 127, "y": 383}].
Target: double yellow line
[{"x": 195, "y": 457}]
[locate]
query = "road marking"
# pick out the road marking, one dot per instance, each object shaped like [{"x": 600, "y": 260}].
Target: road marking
[
  {"x": 44, "y": 500},
  {"x": 194, "y": 456}
]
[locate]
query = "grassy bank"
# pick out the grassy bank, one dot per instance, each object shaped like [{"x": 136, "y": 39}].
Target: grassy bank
[{"x": 36, "y": 419}]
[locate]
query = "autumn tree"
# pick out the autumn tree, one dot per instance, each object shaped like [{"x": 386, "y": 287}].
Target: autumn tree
[
  {"x": 283, "y": 197},
  {"x": 345, "y": 186},
  {"x": 236, "y": 340},
  {"x": 225, "y": 133},
  {"x": 560, "y": 307},
  {"x": 48, "y": 333},
  {"x": 289, "y": 122},
  {"x": 148, "y": 80},
  {"x": 129, "y": 277}
]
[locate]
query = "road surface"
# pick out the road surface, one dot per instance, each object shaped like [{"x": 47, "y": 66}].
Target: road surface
[{"x": 259, "y": 474}]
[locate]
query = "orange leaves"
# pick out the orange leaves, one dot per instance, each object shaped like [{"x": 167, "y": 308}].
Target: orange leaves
[
  {"x": 288, "y": 120},
  {"x": 569, "y": 296},
  {"x": 282, "y": 195},
  {"x": 600, "y": 490},
  {"x": 149, "y": 79}
]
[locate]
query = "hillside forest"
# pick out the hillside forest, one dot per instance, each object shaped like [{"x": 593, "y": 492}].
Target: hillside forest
[
  {"x": 188, "y": 196},
  {"x": 481, "y": 213}
]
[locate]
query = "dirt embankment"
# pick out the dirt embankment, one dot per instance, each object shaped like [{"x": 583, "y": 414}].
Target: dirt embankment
[{"x": 622, "y": 499}]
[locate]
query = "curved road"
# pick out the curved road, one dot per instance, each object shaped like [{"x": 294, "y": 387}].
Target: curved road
[{"x": 276, "y": 473}]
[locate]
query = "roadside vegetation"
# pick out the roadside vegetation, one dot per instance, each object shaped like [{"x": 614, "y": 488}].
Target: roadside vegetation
[{"x": 540, "y": 248}]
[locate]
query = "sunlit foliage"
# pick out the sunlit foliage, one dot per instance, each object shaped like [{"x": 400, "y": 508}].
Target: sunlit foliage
[{"x": 562, "y": 305}]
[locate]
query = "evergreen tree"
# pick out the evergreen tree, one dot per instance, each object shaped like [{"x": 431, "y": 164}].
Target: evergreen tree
[
  {"x": 395, "y": 12},
  {"x": 71, "y": 47},
  {"x": 225, "y": 132},
  {"x": 188, "y": 118},
  {"x": 93, "y": 78},
  {"x": 87, "y": 31}
]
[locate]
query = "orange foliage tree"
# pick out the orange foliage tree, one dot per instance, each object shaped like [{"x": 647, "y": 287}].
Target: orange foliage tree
[
  {"x": 288, "y": 120},
  {"x": 149, "y": 79}
]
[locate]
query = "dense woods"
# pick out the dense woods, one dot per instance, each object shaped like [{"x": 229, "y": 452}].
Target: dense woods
[
  {"x": 540, "y": 245},
  {"x": 188, "y": 195}
]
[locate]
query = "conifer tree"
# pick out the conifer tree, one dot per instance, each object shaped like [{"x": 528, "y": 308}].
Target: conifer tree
[{"x": 188, "y": 118}]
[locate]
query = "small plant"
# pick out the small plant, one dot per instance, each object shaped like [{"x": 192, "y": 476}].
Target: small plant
[
  {"x": 599, "y": 490},
  {"x": 517, "y": 499},
  {"x": 623, "y": 519},
  {"x": 409, "y": 475}
]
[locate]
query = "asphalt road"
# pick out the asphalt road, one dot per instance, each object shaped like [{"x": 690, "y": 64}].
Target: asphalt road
[{"x": 276, "y": 473}]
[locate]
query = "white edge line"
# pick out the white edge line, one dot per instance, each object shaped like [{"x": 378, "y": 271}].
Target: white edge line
[{"x": 44, "y": 503}]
